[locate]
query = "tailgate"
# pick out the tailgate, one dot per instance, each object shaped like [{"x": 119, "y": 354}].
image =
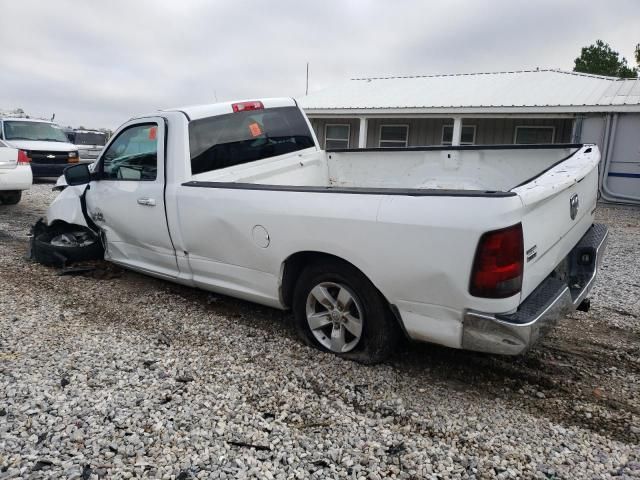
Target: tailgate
[
  {"x": 8, "y": 157},
  {"x": 559, "y": 208}
]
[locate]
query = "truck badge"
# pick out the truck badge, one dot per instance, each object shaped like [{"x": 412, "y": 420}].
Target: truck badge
[{"x": 574, "y": 203}]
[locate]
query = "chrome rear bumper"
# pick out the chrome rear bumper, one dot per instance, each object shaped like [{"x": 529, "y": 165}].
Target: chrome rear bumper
[{"x": 554, "y": 298}]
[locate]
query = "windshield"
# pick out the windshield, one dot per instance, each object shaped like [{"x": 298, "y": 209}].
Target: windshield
[
  {"x": 46, "y": 132},
  {"x": 90, "y": 138}
]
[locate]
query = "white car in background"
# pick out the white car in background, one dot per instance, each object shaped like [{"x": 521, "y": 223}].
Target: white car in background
[{"x": 15, "y": 174}]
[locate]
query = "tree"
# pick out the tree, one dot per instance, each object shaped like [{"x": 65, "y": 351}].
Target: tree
[
  {"x": 600, "y": 59},
  {"x": 638, "y": 54}
]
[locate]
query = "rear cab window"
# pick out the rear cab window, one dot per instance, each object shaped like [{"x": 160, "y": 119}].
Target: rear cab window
[{"x": 242, "y": 137}]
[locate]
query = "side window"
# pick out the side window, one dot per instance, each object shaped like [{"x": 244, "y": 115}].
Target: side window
[
  {"x": 133, "y": 155},
  {"x": 532, "y": 135},
  {"x": 467, "y": 136},
  {"x": 393, "y": 136},
  {"x": 336, "y": 136}
]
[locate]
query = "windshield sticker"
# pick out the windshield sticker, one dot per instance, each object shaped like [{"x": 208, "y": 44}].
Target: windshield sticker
[
  {"x": 255, "y": 129},
  {"x": 153, "y": 132}
]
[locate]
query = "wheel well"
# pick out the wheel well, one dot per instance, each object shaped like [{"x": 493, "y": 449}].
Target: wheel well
[
  {"x": 57, "y": 227},
  {"x": 62, "y": 226},
  {"x": 295, "y": 264}
]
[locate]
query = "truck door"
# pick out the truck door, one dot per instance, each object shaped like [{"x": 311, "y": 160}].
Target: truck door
[{"x": 127, "y": 199}]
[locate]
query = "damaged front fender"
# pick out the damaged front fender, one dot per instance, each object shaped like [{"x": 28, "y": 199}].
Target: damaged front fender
[{"x": 67, "y": 207}]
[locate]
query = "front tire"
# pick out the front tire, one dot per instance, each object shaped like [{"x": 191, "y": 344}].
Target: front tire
[
  {"x": 59, "y": 246},
  {"x": 338, "y": 310},
  {"x": 10, "y": 198}
]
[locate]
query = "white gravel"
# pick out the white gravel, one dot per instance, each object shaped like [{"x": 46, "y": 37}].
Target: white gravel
[{"x": 117, "y": 375}]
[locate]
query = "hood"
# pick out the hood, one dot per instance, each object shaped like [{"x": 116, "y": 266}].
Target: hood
[{"x": 42, "y": 146}]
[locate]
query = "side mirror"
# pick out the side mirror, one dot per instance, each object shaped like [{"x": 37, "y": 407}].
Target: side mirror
[{"x": 77, "y": 174}]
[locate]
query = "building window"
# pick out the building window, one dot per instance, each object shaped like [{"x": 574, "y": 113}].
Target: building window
[
  {"x": 467, "y": 136},
  {"x": 336, "y": 136},
  {"x": 393, "y": 136},
  {"x": 530, "y": 135}
]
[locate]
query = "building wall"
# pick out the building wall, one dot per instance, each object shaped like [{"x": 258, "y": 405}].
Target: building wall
[
  {"x": 428, "y": 131},
  {"x": 496, "y": 131},
  {"x": 422, "y": 131},
  {"x": 319, "y": 124}
]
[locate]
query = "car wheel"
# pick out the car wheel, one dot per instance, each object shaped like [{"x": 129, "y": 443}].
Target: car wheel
[
  {"x": 338, "y": 310},
  {"x": 11, "y": 198},
  {"x": 58, "y": 247}
]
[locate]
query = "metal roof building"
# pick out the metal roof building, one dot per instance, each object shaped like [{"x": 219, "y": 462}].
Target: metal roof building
[
  {"x": 507, "y": 92},
  {"x": 528, "y": 106}
]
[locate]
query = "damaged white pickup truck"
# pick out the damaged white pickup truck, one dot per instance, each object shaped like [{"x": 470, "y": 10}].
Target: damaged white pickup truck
[{"x": 474, "y": 247}]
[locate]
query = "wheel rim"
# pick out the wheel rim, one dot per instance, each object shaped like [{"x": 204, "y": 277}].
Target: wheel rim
[
  {"x": 72, "y": 239},
  {"x": 334, "y": 316}
]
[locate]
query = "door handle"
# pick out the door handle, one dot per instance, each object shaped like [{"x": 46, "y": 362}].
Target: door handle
[{"x": 149, "y": 202}]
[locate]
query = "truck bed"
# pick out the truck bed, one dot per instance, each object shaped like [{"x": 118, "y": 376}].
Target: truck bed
[
  {"x": 543, "y": 178},
  {"x": 477, "y": 168}
]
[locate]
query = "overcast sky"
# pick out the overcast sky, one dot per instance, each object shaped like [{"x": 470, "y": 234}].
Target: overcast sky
[{"x": 98, "y": 63}]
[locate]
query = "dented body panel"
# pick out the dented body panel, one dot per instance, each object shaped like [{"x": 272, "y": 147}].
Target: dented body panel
[
  {"x": 66, "y": 207},
  {"x": 409, "y": 219}
]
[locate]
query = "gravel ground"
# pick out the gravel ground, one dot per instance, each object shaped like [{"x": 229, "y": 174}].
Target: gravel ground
[{"x": 117, "y": 375}]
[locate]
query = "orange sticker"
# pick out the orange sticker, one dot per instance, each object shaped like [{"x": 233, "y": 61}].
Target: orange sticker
[
  {"x": 153, "y": 132},
  {"x": 255, "y": 130}
]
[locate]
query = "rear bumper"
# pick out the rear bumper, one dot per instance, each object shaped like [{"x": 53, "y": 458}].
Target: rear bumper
[{"x": 515, "y": 333}]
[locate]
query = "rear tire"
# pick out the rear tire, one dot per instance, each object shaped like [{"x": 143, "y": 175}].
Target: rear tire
[
  {"x": 10, "y": 198},
  {"x": 338, "y": 310},
  {"x": 58, "y": 254}
]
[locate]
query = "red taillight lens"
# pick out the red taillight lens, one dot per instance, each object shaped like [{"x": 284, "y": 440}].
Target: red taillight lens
[
  {"x": 497, "y": 268},
  {"x": 23, "y": 157},
  {"x": 242, "y": 106}
]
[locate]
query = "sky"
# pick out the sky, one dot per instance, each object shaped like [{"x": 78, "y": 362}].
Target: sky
[{"x": 96, "y": 64}]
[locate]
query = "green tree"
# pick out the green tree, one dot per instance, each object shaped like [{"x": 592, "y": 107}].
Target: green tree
[
  {"x": 600, "y": 59},
  {"x": 638, "y": 54}
]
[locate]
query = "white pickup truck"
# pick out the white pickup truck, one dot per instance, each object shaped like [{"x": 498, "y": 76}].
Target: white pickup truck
[{"x": 474, "y": 247}]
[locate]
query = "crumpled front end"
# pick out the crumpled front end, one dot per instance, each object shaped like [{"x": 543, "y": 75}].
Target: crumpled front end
[{"x": 66, "y": 207}]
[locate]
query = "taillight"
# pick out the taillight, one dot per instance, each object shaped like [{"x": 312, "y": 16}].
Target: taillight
[
  {"x": 23, "y": 158},
  {"x": 243, "y": 106},
  {"x": 498, "y": 265}
]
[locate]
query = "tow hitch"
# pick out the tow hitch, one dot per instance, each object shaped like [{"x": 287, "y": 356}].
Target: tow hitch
[{"x": 585, "y": 305}]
